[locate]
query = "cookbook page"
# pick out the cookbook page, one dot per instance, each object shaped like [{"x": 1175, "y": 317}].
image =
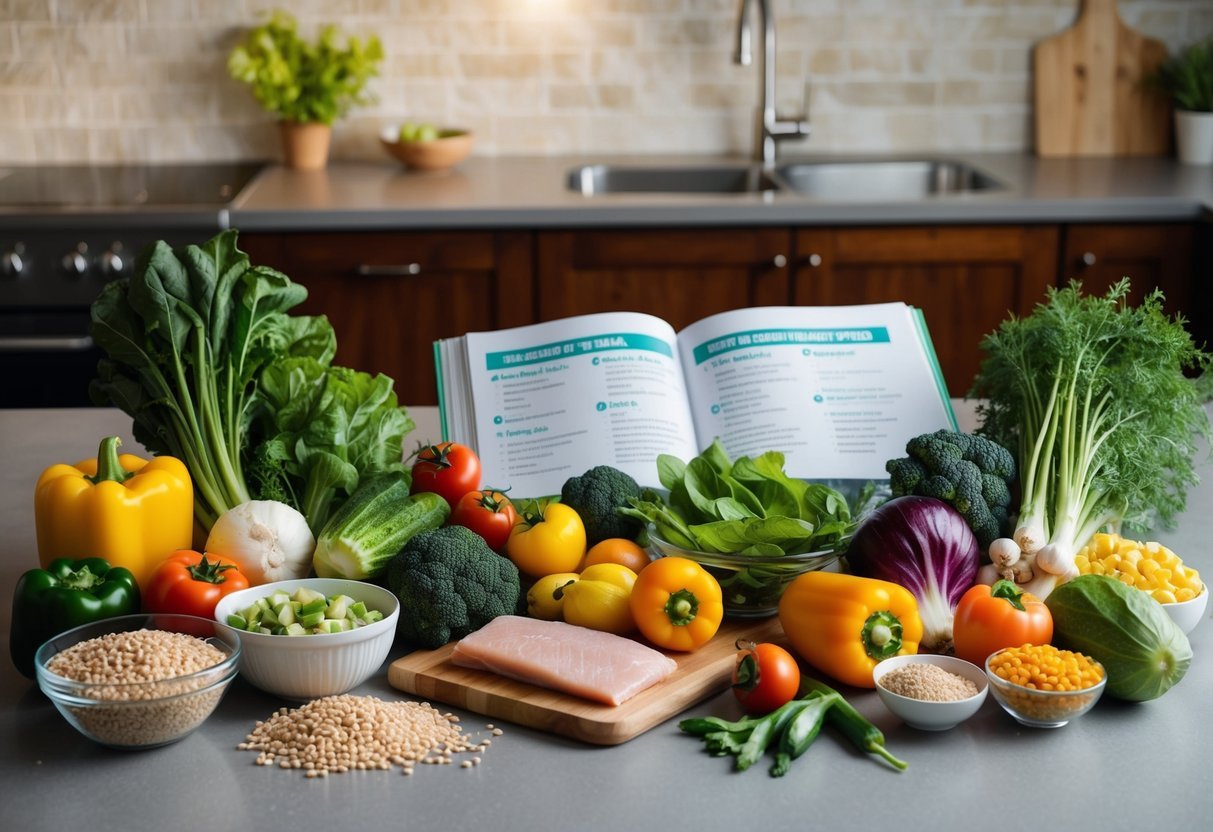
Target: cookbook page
[
  {"x": 552, "y": 400},
  {"x": 838, "y": 389}
]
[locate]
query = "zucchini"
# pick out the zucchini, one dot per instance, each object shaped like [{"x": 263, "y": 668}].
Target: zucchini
[
  {"x": 1143, "y": 651},
  {"x": 373, "y": 525}
]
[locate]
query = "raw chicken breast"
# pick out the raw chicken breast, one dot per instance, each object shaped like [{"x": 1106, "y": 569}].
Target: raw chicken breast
[{"x": 594, "y": 665}]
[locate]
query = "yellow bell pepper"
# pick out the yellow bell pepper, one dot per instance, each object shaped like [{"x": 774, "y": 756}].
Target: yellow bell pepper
[
  {"x": 843, "y": 624},
  {"x": 129, "y": 511},
  {"x": 677, "y": 604},
  {"x": 599, "y": 599}
]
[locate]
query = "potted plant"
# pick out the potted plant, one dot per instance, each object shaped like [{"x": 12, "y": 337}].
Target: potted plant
[
  {"x": 307, "y": 85},
  {"x": 1188, "y": 78}
]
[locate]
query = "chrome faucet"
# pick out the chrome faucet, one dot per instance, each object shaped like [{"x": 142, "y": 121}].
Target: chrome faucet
[{"x": 768, "y": 127}]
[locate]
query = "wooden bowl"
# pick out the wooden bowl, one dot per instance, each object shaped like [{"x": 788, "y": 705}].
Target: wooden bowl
[{"x": 450, "y": 148}]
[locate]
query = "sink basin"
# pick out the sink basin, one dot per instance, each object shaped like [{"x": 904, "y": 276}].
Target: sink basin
[
  {"x": 594, "y": 180},
  {"x": 881, "y": 180}
]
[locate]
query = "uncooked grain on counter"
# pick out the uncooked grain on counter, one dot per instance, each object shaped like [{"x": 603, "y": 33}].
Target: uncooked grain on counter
[
  {"x": 928, "y": 683},
  {"x": 347, "y": 733}
]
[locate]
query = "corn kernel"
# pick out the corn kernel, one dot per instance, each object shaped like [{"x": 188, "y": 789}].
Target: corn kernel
[
  {"x": 1165, "y": 596},
  {"x": 1184, "y": 594},
  {"x": 1132, "y": 556},
  {"x": 1147, "y": 566}
]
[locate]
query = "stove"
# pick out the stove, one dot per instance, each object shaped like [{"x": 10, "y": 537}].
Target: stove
[{"x": 65, "y": 231}]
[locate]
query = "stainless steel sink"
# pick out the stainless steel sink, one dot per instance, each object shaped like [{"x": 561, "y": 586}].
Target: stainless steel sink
[
  {"x": 593, "y": 180},
  {"x": 880, "y": 180},
  {"x": 862, "y": 180}
]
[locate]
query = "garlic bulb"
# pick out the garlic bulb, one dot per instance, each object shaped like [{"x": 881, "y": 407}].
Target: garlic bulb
[{"x": 269, "y": 540}]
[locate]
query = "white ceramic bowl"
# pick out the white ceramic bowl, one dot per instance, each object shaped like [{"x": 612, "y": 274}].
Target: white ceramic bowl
[
  {"x": 323, "y": 664},
  {"x": 1187, "y": 614},
  {"x": 932, "y": 716}
]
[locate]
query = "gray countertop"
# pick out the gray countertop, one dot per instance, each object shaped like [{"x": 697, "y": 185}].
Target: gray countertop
[
  {"x": 1120, "y": 767},
  {"x": 530, "y": 192}
]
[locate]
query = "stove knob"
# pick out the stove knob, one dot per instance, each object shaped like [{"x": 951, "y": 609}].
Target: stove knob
[
  {"x": 11, "y": 262},
  {"x": 113, "y": 262},
  {"x": 75, "y": 263}
]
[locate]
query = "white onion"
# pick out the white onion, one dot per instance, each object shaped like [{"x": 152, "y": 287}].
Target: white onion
[{"x": 270, "y": 541}]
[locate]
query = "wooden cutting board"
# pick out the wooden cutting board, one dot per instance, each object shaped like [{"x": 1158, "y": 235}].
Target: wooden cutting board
[
  {"x": 431, "y": 675},
  {"x": 1090, "y": 95}
]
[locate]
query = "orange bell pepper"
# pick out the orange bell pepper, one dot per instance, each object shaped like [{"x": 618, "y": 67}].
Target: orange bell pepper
[
  {"x": 843, "y": 624},
  {"x": 129, "y": 511},
  {"x": 677, "y": 604}
]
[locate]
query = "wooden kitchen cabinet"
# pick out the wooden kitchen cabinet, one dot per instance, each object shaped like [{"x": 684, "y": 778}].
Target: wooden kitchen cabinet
[
  {"x": 1152, "y": 256},
  {"x": 390, "y": 295},
  {"x": 966, "y": 279},
  {"x": 680, "y": 275}
]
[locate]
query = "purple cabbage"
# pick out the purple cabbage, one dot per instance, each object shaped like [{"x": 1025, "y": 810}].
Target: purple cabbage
[{"x": 924, "y": 545}]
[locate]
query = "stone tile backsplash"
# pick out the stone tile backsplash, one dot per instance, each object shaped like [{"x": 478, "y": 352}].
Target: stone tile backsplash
[{"x": 145, "y": 80}]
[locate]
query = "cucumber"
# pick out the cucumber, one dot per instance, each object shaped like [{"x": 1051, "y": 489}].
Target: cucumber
[
  {"x": 1143, "y": 651},
  {"x": 372, "y": 526}
]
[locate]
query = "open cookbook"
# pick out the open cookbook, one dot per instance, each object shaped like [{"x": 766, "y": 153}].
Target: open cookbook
[{"x": 839, "y": 390}]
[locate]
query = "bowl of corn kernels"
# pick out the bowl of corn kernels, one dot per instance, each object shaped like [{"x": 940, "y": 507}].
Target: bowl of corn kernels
[
  {"x": 1152, "y": 568},
  {"x": 1042, "y": 686}
]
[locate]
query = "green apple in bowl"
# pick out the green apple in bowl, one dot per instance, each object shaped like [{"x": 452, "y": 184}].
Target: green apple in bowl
[{"x": 414, "y": 132}]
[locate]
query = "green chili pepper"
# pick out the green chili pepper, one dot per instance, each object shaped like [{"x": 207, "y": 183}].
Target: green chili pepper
[
  {"x": 66, "y": 594},
  {"x": 843, "y": 716}
]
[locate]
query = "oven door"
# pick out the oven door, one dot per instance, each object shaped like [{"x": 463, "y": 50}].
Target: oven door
[{"x": 47, "y": 358}]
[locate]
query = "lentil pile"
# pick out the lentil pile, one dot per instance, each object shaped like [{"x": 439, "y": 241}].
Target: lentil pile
[
  {"x": 928, "y": 683},
  {"x": 353, "y": 733},
  {"x": 135, "y": 714}
]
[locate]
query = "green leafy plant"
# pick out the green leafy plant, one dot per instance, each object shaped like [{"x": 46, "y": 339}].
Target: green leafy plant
[
  {"x": 1188, "y": 77},
  {"x": 305, "y": 81},
  {"x": 202, "y": 353}
]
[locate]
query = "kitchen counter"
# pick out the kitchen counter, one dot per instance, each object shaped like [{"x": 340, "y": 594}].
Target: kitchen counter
[
  {"x": 530, "y": 192},
  {"x": 1120, "y": 767}
]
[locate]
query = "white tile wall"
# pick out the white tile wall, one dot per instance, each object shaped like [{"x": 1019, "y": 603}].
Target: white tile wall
[{"x": 136, "y": 80}]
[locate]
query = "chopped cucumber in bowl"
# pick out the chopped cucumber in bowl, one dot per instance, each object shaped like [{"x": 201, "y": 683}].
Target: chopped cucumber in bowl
[
  {"x": 350, "y": 627},
  {"x": 304, "y": 612}
]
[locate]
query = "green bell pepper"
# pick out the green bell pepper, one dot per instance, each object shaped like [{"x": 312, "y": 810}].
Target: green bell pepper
[{"x": 66, "y": 594}]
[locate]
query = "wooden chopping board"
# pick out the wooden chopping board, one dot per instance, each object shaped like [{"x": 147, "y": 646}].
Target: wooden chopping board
[
  {"x": 1090, "y": 95},
  {"x": 707, "y": 671}
]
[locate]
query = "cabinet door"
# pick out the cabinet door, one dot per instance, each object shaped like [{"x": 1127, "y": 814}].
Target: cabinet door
[
  {"x": 680, "y": 275},
  {"x": 389, "y": 296},
  {"x": 965, "y": 279},
  {"x": 1151, "y": 256}
]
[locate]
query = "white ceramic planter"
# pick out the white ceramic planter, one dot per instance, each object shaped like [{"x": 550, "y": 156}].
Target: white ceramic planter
[{"x": 1194, "y": 137}]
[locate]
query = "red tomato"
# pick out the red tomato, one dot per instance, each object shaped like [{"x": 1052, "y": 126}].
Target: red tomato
[
  {"x": 489, "y": 514},
  {"x": 765, "y": 677},
  {"x": 191, "y": 583},
  {"x": 447, "y": 469}
]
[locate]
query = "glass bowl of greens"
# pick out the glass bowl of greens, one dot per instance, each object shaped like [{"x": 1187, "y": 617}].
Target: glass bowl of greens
[{"x": 752, "y": 584}]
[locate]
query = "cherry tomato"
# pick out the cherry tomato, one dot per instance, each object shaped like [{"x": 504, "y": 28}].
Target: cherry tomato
[
  {"x": 765, "y": 677},
  {"x": 489, "y": 514},
  {"x": 191, "y": 583},
  {"x": 989, "y": 618},
  {"x": 618, "y": 550},
  {"x": 447, "y": 469}
]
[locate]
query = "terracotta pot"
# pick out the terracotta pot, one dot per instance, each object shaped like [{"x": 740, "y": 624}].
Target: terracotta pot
[
  {"x": 1194, "y": 137},
  {"x": 305, "y": 145}
]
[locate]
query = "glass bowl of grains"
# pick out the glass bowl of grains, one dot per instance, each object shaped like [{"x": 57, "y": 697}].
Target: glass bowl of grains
[
  {"x": 930, "y": 692},
  {"x": 138, "y": 681},
  {"x": 1044, "y": 687}
]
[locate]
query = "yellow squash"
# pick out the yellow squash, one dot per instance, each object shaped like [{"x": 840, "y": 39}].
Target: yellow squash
[
  {"x": 599, "y": 599},
  {"x": 843, "y": 624},
  {"x": 129, "y": 511}
]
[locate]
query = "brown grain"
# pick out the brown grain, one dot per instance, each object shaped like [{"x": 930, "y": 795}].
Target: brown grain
[{"x": 928, "y": 683}]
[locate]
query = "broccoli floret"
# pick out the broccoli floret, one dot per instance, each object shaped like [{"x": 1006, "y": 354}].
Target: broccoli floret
[
  {"x": 595, "y": 496},
  {"x": 971, "y": 473},
  {"x": 450, "y": 583}
]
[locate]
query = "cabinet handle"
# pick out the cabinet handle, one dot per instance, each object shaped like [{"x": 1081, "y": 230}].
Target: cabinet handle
[
  {"x": 779, "y": 261},
  {"x": 814, "y": 260},
  {"x": 389, "y": 271},
  {"x": 1088, "y": 258}
]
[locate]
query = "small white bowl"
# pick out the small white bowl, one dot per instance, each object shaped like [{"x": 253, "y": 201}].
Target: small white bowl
[
  {"x": 932, "y": 716},
  {"x": 321, "y": 664},
  {"x": 1187, "y": 614}
]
